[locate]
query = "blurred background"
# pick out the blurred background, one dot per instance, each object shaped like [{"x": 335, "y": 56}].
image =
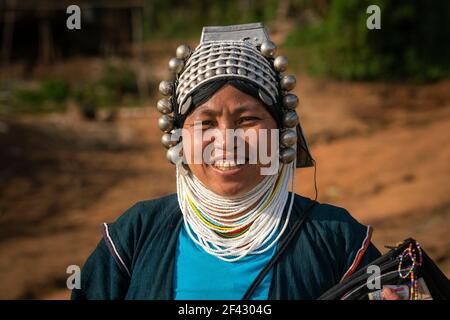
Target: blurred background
[{"x": 79, "y": 142}]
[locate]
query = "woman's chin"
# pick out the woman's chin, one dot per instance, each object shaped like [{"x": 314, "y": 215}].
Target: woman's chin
[
  {"x": 231, "y": 185},
  {"x": 229, "y": 190}
]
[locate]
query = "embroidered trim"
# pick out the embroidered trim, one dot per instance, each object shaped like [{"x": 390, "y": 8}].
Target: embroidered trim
[
  {"x": 359, "y": 254},
  {"x": 113, "y": 249}
]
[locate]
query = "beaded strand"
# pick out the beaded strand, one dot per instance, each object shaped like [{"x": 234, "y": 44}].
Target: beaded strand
[{"x": 415, "y": 255}]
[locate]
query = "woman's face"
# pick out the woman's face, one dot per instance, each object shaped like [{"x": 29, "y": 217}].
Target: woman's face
[{"x": 228, "y": 108}]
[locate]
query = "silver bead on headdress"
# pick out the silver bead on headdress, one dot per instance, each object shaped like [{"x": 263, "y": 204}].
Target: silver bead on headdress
[{"x": 242, "y": 52}]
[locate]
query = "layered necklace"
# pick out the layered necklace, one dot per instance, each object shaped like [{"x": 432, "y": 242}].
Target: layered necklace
[{"x": 231, "y": 228}]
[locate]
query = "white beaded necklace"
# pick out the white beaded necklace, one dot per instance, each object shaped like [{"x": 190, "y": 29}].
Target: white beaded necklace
[{"x": 207, "y": 214}]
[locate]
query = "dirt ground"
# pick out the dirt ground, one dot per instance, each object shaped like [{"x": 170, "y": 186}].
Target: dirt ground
[{"x": 382, "y": 151}]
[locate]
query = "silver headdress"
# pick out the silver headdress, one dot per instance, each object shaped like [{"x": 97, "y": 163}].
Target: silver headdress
[{"x": 242, "y": 52}]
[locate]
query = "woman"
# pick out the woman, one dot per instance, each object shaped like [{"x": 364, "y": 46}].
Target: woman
[{"x": 233, "y": 212}]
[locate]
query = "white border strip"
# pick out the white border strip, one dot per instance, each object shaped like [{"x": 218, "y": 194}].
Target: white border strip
[
  {"x": 114, "y": 248},
  {"x": 363, "y": 247}
]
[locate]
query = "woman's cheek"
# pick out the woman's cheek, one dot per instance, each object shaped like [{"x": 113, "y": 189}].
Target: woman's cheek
[
  {"x": 263, "y": 143},
  {"x": 196, "y": 151},
  {"x": 188, "y": 147}
]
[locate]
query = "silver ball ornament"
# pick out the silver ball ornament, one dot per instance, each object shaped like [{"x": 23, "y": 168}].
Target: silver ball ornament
[
  {"x": 164, "y": 106},
  {"x": 173, "y": 154},
  {"x": 280, "y": 63},
  {"x": 290, "y": 101},
  {"x": 166, "y": 123},
  {"x": 183, "y": 52},
  {"x": 268, "y": 49},
  {"x": 288, "y": 138},
  {"x": 288, "y": 155},
  {"x": 290, "y": 119},
  {"x": 176, "y": 65},
  {"x": 168, "y": 141},
  {"x": 166, "y": 87},
  {"x": 288, "y": 82}
]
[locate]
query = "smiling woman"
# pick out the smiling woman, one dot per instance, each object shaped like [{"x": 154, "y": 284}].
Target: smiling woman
[
  {"x": 232, "y": 230},
  {"x": 229, "y": 109}
]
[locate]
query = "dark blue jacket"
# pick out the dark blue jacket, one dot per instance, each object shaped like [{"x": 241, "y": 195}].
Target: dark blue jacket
[{"x": 136, "y": 257}]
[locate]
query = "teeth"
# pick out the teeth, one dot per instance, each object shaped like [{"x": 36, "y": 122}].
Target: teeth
[{"x": 225, "y": 164}]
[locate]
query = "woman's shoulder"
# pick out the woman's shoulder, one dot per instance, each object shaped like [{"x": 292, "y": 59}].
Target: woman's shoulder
[
  {"x": 329, "y": 216},
  {"x": 149, "y": 211},
  {"x": 332, "y": 240},
  {"x": 338, "y": 232},
  {"x": 140, "y": 222}
]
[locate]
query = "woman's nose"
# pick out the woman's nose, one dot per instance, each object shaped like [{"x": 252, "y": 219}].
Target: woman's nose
[
  {"x": 226, "y": 139},
  {"x": 220, "y": 141}
]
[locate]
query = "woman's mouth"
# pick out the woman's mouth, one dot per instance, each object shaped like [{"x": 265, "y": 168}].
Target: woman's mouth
[{"x": 227, "y": 167}]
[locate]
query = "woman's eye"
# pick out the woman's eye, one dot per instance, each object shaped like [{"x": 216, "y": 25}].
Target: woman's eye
[
  {"x": 247, "y": 120},
  {"x": 207, "y": 123}
]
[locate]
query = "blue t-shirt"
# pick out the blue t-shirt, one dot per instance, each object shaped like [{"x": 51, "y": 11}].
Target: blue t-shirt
[{"x": 202, "y": 276}]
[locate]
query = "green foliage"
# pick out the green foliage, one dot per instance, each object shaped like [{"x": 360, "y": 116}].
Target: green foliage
[
  {"x": 48, "y": 96},
  {"x": 119, "y": 79},
  {"x": 114, "y": 84},
  {"x": 183, "y": 19},
  {"x": 94, "y": 95},
  {"x": 413, "y": 42},
  {"x": 55, "y": 90}
]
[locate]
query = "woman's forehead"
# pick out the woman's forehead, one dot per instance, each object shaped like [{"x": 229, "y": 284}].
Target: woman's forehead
[
  {"x": 231, "y": 99},
  {"x": 215, "y": 109}
]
